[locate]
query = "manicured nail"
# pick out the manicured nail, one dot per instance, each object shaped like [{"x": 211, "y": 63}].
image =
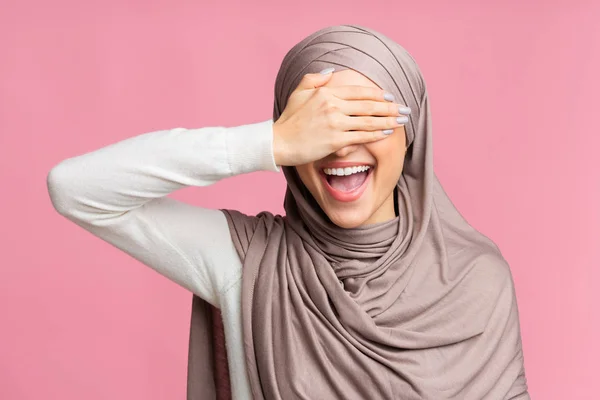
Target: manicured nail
[
  {"x": 388, "y": 96},
  {"x": 327, "y": 71},
  {"x": 388, "y": 131},
  {"x": 404, "y": 110},
  {"x": 402, "y": 120}
]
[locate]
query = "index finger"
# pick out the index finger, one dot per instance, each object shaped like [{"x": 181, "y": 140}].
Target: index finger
[{"x": 357, "y": 92}]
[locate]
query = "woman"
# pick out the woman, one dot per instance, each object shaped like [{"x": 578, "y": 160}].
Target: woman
[{"x": 372, "y": 286}]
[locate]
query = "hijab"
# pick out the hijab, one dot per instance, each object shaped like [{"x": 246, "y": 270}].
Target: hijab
[{"x": 418, "y": 307}]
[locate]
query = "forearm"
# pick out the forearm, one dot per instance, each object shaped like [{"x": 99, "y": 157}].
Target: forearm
[{"x": 123, "y": 176}]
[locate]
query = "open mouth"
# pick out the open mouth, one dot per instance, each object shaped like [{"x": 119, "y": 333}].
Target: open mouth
[{"x": 346, "y": 183}]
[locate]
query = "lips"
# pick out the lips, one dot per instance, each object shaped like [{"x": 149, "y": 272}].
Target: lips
[
  {"x": 350, "y": 190},
  {"x": 347, "y": 183}
]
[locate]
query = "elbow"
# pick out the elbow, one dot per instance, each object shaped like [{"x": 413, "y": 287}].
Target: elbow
[{"x": 59, "y": 184}]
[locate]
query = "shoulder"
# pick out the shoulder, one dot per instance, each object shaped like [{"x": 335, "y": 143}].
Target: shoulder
[
  {"x": 492, "y": 268},
  {"x": 481, "y": 266},
  {"x": 245, "y": 229},
  {"x": 484, "y": 282},
  {"x": 239, "y": 220}
]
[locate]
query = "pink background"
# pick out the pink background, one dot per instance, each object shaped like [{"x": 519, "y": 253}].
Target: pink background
[{"x": 514, "y": 88}]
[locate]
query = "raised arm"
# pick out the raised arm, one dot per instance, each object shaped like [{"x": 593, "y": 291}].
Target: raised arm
[{"x": 118, "y": 193}]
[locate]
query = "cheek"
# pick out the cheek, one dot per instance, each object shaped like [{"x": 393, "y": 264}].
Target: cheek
[
  {"x": 307, "y": 175},
  {"x": 390, "y": 160},
  {"x": 394, "y": 145}
]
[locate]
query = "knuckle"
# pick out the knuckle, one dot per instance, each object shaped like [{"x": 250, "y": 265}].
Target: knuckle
[
  {"x": 331, "y": 111},
  {"x": 358, "y": 137},
  {"x": 371, "y": 108},
  {"x": 330, "y": 106},
  {"x": 363, "y": 93},
  {"x": 333, "y": 120},
  {"x": 367, "y": 136},
  {"x": 370, "y": 123}
]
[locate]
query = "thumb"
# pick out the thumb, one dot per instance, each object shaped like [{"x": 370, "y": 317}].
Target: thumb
[{"x": 313, "y": 81}]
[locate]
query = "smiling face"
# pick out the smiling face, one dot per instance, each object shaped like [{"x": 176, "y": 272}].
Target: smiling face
[{"x": 355, "y": 185}]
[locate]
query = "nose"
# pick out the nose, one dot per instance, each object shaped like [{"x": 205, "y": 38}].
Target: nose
[{"x": 344, "y": 151}]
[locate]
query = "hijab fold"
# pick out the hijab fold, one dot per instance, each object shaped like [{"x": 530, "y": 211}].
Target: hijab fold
[{"x": 418, "y": 307}]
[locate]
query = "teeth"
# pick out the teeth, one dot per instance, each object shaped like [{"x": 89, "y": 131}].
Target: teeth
[{"x": 345, "y": 171}]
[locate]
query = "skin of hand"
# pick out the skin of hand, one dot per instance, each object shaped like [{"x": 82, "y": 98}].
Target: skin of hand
[{"x": 340, "y": 117}]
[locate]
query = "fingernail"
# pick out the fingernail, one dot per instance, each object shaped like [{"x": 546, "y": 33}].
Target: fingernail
[
  {"x": 402, "y": 120},
  {"x": 327, "y": 71},
  {"x": 404, "y": 110},
  {"x": 388, "y": 131},
  {"x": 388, "y": 96}
]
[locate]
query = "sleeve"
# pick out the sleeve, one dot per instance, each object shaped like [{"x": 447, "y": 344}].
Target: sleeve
[{"x": 119, "y": 194}]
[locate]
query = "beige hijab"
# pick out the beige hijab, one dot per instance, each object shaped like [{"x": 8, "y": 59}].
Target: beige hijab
[{"x": 426, "y": 307}]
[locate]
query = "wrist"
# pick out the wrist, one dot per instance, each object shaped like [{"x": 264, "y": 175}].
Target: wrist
[
  {"x": 277, "y": 145},
  {"x": 249, "y": 148}
]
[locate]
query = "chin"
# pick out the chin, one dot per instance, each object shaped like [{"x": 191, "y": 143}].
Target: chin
[{"x": 347, "y": 218}]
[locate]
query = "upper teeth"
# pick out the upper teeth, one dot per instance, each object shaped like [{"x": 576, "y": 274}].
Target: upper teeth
[{"x": 345, "y": 171}]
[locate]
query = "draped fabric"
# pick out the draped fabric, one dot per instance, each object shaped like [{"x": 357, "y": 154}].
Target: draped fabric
[{"x": 418, "y": 307}]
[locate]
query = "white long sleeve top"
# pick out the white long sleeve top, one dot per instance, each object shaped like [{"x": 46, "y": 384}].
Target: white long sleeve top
[{"x": 119, "y": 194}]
